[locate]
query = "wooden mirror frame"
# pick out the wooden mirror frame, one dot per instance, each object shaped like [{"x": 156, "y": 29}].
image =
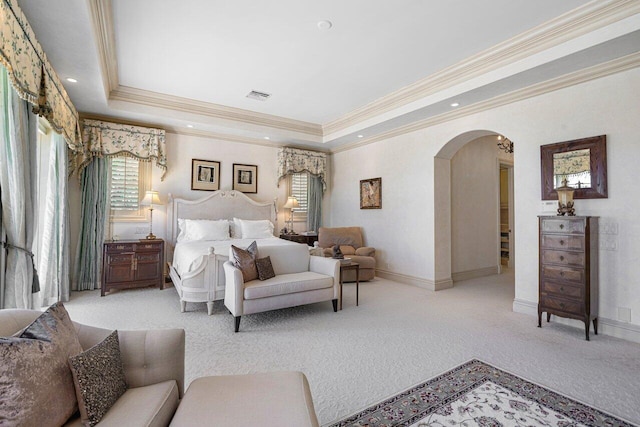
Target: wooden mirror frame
[{"x": 597, "y": 146}]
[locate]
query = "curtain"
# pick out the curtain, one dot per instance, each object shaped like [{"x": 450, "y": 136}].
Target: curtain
[
  {"x": 95, "y": 210},
  {"x": 293, "y": 160},
  {"x": 53, "y": 255},
  {"x": 18, "y": 138},
  {"x": 314, "y": 203}
]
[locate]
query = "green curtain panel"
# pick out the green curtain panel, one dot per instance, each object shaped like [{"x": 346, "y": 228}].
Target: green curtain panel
[
  {"x": 95, "y": 190},
  {"x": 314, "y": 203}
]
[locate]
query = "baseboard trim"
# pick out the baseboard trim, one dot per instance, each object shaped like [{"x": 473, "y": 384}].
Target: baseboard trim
[
  {"x": 415, "y": 281},
  {"x": 474, "y": 274},
  {"x": 613, "y": 328}
]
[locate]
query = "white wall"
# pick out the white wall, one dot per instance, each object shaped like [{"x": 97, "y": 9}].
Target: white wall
[
  {"x": 403, "y": 231},
  {"x": 474, "y": 206}
]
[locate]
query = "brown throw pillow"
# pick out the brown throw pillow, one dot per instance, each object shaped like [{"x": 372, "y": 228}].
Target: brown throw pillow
[
  {"x": 265, "y": 268},
  {"x": 36, "y": 386},
  {"x": 245, "y": 260},
  {"x": 99, "y": 380}
]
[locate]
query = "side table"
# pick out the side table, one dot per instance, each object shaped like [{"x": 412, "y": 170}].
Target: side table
[{"x": 351, "y": 266}]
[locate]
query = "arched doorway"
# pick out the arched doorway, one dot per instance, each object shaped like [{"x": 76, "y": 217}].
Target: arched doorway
[{"x": 468, "y": 224}]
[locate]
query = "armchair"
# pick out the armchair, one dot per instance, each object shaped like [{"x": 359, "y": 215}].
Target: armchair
[{"x": 351, "y": 243}]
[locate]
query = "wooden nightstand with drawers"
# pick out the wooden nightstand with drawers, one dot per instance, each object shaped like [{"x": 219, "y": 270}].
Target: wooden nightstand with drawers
[
  {"x": 132, "y": 264},
  {"x": 568, "y": 276}
]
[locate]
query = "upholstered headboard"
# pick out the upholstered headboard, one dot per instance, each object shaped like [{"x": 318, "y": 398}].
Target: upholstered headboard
[{"x": 217, "y": 205}]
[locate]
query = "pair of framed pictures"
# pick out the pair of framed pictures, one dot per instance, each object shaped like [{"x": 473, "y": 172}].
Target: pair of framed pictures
[{"x": 205, "y": 176}]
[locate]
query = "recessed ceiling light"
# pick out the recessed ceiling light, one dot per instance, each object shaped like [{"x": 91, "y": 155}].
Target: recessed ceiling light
[
  {"x": 455, "y": 104},
  {"x": 324, "y": 24},
  {"x": 189, "y": 126},
  {"x": 72, "y": 80},
  {"x": 360, "y": 136},
  {"x": 266, "y": 137}
]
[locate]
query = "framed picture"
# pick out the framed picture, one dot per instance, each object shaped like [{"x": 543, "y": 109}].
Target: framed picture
[
  {"x": 245, "y": 178},
  {"x": 371, "y": 193},
  {"x": 205, "y": 175}
]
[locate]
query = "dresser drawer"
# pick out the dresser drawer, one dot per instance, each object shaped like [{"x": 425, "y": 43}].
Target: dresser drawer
[
  {"x": 565, "y": 242},
  {"x": 561, "y": 304},
  {"x": 572, "y": 292},
  {"x": 561, "y": 257},
  {"x": 120, "y": 258},
  {"x": 146, "y": 247},
  {"x": 121, "y": 247},
  {"x": 563, "y": 273},
  {"x": 568, "y": 226}
]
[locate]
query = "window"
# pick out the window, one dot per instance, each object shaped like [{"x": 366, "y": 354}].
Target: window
[
  {"x": 130, "y": 178},
  {"x": 299, "y": 183}
]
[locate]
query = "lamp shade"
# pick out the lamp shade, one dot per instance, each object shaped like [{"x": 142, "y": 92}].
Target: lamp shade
[
  {"x": 151, "y": 198},
  {"x": 292, "y": 202}
]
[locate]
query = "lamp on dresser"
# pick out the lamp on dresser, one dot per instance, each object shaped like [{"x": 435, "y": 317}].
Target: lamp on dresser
[
  {"x": 151, "y": 198},
  {"x": 291, "y": 204}
]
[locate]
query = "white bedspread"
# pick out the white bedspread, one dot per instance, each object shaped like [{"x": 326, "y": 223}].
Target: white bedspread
[{"x": 186, "y": 254}]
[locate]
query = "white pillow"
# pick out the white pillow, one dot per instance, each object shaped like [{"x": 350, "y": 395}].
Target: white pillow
[
  {"x": 182, "y": 231},
  {"x": 236, "y": 228},
  {"x": 204, "y": 229},
  {"x": 260, "y": 229}
]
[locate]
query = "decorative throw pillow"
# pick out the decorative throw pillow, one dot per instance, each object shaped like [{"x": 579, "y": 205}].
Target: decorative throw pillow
[
  {"x": 99, "y": 380},
  {"x": 265, "y": 268},
  {"x": 245, "y": 260},
  {"x": 36, "y": 386}
]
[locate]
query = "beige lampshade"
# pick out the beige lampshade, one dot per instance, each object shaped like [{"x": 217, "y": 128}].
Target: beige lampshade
[
  {"x": 292, "y": 202},
  {"x": 151, "y": 198}
]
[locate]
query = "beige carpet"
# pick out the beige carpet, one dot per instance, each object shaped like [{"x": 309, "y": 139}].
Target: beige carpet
[{"x": 399, "y": 336}]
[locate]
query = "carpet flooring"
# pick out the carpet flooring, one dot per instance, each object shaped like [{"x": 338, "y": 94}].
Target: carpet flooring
[
  {"x": 478, "y": 394},
  {"x": 399, "y": 336}
]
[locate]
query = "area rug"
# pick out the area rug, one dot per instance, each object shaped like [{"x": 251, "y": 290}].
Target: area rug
[{"x": 478, "y": 394}]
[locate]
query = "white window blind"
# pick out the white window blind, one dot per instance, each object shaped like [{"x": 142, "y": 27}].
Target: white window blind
[
  {"x": 299, "y": 188},
  {"x": 125, "y": 188}
]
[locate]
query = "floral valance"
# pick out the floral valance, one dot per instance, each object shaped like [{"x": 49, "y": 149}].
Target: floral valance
[
  {"x": 572, "y": 162},
  {"x": 32, "y": 76},
  {"x": 112, "y": 139},
  {"x": 293, "y": 160}
]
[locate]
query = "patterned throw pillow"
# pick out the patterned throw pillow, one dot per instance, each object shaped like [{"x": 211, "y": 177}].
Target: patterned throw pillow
[
  {"x": 99, "y": 379},
  {"x": 36, "y": 386},
  {"x": 245, "y": 260},
  {"x": 265, "y": 268}
]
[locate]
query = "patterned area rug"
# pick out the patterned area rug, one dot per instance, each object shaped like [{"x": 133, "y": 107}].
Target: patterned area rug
[{"x": 478, "y": 394}]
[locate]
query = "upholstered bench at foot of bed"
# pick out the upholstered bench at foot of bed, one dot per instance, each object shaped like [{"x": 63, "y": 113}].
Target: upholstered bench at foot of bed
[{"x": 268, "y": 399}]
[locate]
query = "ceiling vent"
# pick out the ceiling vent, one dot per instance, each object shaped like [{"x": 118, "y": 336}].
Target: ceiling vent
[{"x": 260, "y": 96}]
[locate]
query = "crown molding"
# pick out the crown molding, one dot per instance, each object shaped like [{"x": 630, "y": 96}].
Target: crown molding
[
  {"x": 101, "y": 13},
  {"x": 595, "y": 72},
  {"x": 584, "y": 19}
]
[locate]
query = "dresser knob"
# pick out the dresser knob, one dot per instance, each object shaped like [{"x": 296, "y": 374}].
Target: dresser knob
[
  {"x": 561, "y": 258},
  {"x": 562, "y": 305},
  {"x": 562, "y": 273},
  {"x": 562, "y": 288},
  {"x": 561, "y": 242},
  {"x": 561, "y": 226}
]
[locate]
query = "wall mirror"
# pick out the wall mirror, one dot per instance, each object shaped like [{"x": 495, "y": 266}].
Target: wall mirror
[{"x": 582, "y": 162}]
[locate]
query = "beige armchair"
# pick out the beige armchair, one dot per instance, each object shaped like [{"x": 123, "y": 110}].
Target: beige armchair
[{"x": 351, "y": 243}]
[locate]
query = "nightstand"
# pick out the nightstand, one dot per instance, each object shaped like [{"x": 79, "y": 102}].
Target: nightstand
[
  {"x": 132, "y": 264},
  {"x": 300, "y": 238}
]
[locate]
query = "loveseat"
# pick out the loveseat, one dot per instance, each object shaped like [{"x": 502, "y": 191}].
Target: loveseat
[
  {"x": 299, "y": 279},
  {"x": 351, "y": 244},
  {"x": 153, "y": 363}
]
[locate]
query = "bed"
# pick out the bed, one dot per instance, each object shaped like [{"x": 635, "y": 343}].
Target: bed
[{"x": 195, "y": 266}]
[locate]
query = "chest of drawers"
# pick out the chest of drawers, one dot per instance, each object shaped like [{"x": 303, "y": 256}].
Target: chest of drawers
[
  {"x": 132, "y": 264},
  {"x": 568, "y": 276}
]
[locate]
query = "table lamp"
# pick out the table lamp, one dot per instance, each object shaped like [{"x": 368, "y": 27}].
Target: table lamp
[
  {"x": 150, "y": 198},
  {"x": 565, "y": 199},
  {"x": 292, "y": 203}
]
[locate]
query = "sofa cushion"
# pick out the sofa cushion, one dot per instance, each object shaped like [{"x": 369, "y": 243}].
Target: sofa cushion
[
  {"x": 98, "y": 376},
  {"x": 347, "y": 250},
  {"x": 287, "y": 284},
  {"x": 36, "y": 386},
  {"x": 152, "y": 405},
  {"x": 245, "y": 260},
  {"x": 342, "y": 236},
  {"x": 265, "y": 268},
  {"x": 288, "y": 258}
]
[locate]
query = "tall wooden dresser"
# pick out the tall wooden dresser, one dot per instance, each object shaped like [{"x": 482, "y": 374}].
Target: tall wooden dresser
[
  {"x": 132, "y": 264},
  {"x": 568, "y": 274}
]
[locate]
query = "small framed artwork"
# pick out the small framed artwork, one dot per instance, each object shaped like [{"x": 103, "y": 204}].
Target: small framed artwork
[
  {"x": 205, "y": 175},
  {"x": 371, "y": 193},
  {"x": 245, "y": 178}
]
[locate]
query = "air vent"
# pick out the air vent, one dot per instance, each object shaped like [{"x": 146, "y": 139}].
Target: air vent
[{"x": 260, "y": 96}]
